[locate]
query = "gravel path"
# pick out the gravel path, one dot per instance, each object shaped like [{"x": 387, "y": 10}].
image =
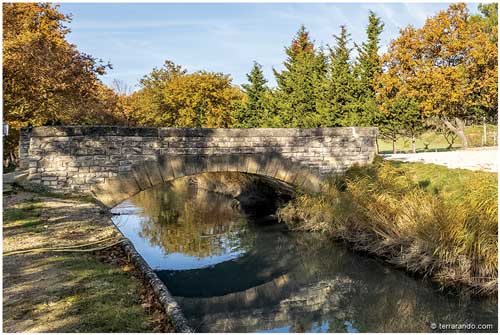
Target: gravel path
[{"x": 485, "y": 159}]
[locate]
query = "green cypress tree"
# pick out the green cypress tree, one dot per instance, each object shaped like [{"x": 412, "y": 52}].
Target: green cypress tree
[
  {"x": 300, "y": 85},
  {"x": 254, "y": 113},
  {"x": 340, "y": 83},
  {"x": 368, "y": 67}
]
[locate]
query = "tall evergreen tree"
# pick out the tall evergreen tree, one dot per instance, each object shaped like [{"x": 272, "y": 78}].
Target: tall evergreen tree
[
  {"x": 368, "y": 67},
  {"x": 300, "y": 84},
  {"x": 255, "y": 111},
  {"x": 340, "y": 83}
]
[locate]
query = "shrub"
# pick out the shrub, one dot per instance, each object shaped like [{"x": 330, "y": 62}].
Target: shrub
[{"x": 437, "y": 226}]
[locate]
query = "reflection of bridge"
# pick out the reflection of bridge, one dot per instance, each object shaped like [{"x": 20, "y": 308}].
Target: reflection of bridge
[
  {"x": 279, "y": 303},
  {"x": 270, "y": 286},
  {"x": 114, "y": 163},
  {"x": 320, "y": 284}
]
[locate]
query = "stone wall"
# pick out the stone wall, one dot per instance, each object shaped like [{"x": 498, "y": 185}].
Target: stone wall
[{"x": 76, "y": 158}]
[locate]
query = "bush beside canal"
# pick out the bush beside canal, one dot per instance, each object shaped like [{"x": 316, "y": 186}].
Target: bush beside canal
[{"x": 428, "y": 219}]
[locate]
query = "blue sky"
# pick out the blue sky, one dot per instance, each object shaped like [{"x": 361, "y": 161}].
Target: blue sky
[{"x": 224, "y": 37}]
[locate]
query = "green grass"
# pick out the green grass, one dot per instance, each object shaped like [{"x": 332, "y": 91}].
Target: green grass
[
  {"x": 25, "y": 217},
  {"x": 436, "y": 142},
  {"x": 431, "y": 220},
  {"x": 84, "y": 294},
  {"x": 104, "y": 298}
]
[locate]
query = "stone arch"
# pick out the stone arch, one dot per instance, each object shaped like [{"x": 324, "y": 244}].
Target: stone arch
[{"x": 165, "y": 168}]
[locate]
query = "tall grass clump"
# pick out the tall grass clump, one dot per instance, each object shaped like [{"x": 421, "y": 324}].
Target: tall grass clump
[{"x": 427, "y": 219}]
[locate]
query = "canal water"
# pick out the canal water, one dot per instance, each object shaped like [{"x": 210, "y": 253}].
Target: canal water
[{"x": 234, "y": 274}]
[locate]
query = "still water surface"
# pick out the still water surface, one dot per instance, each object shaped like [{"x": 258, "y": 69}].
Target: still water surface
[{"x": 229, "y": 273}]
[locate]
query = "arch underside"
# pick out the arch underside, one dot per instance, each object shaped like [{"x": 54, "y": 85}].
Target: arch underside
[{"x": 166, "y": 168}]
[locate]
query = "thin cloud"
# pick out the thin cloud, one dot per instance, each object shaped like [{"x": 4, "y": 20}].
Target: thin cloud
[{"x": 224, "y": 37}]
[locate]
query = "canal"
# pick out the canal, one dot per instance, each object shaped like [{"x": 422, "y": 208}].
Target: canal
[{"x": 234, "y": 272}]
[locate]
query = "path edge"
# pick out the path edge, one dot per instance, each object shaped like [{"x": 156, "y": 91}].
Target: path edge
[{"x": 161, "y": 291}]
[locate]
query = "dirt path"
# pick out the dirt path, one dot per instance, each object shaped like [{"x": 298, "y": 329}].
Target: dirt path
[
  {"x": 69, "y": 292},
  {"x": 485, "y": 159}
]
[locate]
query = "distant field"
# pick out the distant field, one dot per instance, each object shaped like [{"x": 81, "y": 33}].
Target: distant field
[{"x": 437, "y": 142}]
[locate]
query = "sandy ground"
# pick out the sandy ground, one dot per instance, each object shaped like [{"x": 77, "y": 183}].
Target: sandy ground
[{"x": 485, "y": 159}]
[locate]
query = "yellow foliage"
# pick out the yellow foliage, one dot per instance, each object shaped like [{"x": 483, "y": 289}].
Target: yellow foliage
[
  {"x": 449, "y": 65},
  {"x": 200, "y": 99},
  {"x": 46, "y": 80}
]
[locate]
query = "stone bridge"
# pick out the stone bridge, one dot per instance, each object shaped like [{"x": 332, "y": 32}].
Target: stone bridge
[{"x": 113, "y": 163}]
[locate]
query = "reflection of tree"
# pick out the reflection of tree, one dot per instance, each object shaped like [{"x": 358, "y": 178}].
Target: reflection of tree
[
  {"x": 180, "y": 218},
  {"x": 288, "y": 279}
]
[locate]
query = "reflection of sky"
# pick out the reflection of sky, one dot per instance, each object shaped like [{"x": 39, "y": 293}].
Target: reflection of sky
[
  {"x": 317, "y": 327},
  {"x": 130, "y": 224},
  {"x": 276, "y": 330}
]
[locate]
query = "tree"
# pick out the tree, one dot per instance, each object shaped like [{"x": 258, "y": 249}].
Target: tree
[
  {"x": 46, "y": 80},
  {"x": 170, "y": 97},
  {"x": 301, "y": 84},
  {"x": 449, "y": 66},
  {"x": 202, "y": 99},
  {"x": 148, "y": 104},
  {"x": 410, "y": 119},
  {"x": 255, "y": 111},
  {"x": 489, "y": 16},
  {"x": 123, "y": 92},
  {"x": 367, "y": 69},
  {"x": 340, "y": 82}
]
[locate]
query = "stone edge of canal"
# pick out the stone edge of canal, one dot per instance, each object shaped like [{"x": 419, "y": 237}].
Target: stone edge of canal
[{"x": 161, "y": 291}]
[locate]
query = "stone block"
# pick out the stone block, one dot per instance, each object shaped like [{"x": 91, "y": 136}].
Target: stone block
[
  {"x": 191, "y": 165},
  {"x": 165, "y": 168},
  {"x": 141, "y": 176},
  {"x": 273, "y": 164},
  {"x": 116, "y": 189},
  {"x": 153, "y": 171},
  {"x": 177, "y": 164},
  {"x": 312, "y": 183},
  {"x": 233, "y": 163},
  {"x": 252, "y": 164},
  {"x": 216, "y": 163},
  {"x": 131, "y": 150},
  {"x": 299, "y": 176}
]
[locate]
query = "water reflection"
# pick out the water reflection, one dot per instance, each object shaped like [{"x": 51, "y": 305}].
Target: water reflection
[
  {"x": 176, "y": 226},
  {"x": 232, "y": 274}
]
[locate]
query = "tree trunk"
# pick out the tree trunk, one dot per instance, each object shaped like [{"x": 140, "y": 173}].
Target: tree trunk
[
  {"x": 459, "y": 129},
  {"x": 394, "y": 144},
  {"x": 413, "y": 147},
  {"x": 485, "y": 140},
  {"x": 376, "y": 143}
]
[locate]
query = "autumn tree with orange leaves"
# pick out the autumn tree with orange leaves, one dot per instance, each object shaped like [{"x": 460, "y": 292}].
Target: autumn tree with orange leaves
[
  {"x": 46, "y": 80},
  {"x": 449, "y": 66}
]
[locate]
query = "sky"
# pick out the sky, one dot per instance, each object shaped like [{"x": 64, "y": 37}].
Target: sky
[{"x": 221, "y": 37}]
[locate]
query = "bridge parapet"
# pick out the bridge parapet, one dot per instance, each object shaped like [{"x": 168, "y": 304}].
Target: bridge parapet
[{"x": 86, "y": 158}]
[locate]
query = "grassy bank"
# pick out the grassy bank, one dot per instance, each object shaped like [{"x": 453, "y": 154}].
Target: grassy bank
[
  {"x": 433, "y": 141},
  {"x": 69, "y": 292},
  {"x": 428, "y": 219}
]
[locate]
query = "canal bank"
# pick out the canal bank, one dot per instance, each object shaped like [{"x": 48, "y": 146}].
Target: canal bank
[
  {"x": 429, "y": 220},
  {"x": 231, "y": 272},
  {"x": 99, "y": 291}
]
